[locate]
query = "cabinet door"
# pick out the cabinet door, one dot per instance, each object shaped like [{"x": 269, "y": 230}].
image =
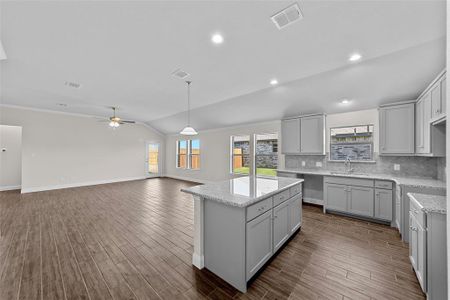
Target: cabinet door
[
  {"x": 436, "y": 100},
  {"x": 426, "y": 127},
  {"x": 290, "y": 136},
  {"x": 312, "y": 135},
  {"x": 383, "y": 204},
  {"x": 336, "y": 197},
  {"x": 421, "y": 257},
  {"x": 413, "y": 241},
  {"x": 280, "y": 225},
  {"x": 397, "y": 129},
  {"x": 360, "y": 201},
  {"x": 419, "y": 126},
  {"x": 295, "y": 214},
  {"x": 258, "y": 242}
]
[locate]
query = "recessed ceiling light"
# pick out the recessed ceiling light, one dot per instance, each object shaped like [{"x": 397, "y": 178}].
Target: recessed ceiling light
[
  {"x": 345, "y": 101},
  {"x": 217, "y": 38},
  {"x": 274, "y": 82},
  {"x": 355, "y": 57}
]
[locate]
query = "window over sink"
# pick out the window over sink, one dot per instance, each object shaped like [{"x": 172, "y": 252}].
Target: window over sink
[{"x": 351, "y": 142}]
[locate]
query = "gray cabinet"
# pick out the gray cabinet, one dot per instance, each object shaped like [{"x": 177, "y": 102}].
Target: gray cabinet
[
  {"x": 359, "y": 197},
  {"x": 427, "y": 249},
  {"x": 259, "y": 242},
  {"x": 360, "y": 201},
  {"x": 383, "y": 204},
  {"x": 430, "y": 139},
  {"x": 397, "y": 129},
  {"x": 295, "y": 214},
  {"x": 444, "y": 95},
  {"x": 312, "y": 135},
  {"x": 290, "y": 136},
  {"x": 281, "y": 229},
  {"x": 303, "y": 135},
  {"x": 336, "y": 197}
]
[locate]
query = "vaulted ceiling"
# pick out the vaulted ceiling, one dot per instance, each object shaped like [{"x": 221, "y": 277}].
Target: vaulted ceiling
[{"x": 123, "y": 53}]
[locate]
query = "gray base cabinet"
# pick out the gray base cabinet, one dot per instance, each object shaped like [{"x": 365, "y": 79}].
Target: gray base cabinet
[
  {"x": 258, "y": 242},
  {"x": 427, "y": 250},
  {"x": 359, "y": 197},
  {"x": 239, "y": 241}
]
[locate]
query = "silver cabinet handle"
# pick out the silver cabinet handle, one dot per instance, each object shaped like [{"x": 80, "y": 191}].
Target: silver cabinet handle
[{"x": 413, "y": 228}]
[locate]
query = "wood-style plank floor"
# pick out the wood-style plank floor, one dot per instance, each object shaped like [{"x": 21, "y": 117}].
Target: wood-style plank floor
[{"x": 133, "y": 240}]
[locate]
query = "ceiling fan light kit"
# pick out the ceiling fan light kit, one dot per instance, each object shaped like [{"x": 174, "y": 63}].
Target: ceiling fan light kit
[{"x": 188, "y": 130}]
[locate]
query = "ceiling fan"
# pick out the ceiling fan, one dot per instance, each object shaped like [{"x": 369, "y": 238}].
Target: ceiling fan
[{"x": 115, "y": 121}]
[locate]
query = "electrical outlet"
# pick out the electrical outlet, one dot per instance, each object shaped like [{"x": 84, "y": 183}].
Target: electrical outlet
[
  {"x": 303, "y": 163},
  {"x": 396, "y": 167},
  {"x": 319, "y": 164}
]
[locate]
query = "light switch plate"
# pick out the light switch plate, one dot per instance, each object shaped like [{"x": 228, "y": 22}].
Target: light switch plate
[
  {"x": 396, "y": 167},
  {"x": 318, "y": 164},
  {"x": 303, "y": 163}
]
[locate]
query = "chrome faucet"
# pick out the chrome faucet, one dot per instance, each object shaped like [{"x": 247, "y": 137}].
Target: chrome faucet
[{"x": 348, "y": 165}]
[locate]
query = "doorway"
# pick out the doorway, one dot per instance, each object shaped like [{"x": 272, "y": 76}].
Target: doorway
[{"x": 153, "y": 160}]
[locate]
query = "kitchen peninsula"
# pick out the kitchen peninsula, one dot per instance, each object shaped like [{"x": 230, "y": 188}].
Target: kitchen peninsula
[{"x": 239, "y": 224}]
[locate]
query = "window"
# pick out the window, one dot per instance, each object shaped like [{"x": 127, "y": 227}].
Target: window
[
  {"x": 266, "y": 154},
  {"x": 353, "y": 142},
  {"x": 181, "y": 154},
  {"x": 240, "y": 154},
  {"x": 188, "y": 154},
  {"x": 194, "y": 154}
]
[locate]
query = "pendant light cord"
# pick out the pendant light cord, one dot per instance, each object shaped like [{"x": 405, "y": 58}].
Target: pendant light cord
[{"x": 189, "y": 102}]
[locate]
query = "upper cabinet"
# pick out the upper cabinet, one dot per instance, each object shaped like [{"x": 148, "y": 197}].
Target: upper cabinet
[
  {"x": 397, "y": 129},
  {"x": 303, "y": 135},
  {"x": 430, "y": 109}
]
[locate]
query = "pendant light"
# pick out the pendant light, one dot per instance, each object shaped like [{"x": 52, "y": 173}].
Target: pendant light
[{"x": 188, "y": 130}]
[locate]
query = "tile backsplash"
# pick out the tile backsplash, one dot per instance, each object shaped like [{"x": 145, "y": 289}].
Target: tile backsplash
[{"x": 410, "y": 166}]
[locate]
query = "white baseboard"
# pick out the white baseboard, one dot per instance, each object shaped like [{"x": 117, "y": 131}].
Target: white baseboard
[
  {"x": 79, "y": 184},
  {"x": 313, "y": 201},
  {"x": 9, "y": 187},
  {"x": 187, "y": 179},
  {"x": 198, "y": 261}
]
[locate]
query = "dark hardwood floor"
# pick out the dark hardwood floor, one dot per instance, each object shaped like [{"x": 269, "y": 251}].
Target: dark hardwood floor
[{"x": 133, "y": 240}]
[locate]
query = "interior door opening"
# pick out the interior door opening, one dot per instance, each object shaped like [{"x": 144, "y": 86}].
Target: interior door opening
[{"x": 153, "y": 167}]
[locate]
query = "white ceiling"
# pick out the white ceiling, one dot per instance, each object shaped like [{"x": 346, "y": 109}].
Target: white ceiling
[{"x": 122, "y": 54}]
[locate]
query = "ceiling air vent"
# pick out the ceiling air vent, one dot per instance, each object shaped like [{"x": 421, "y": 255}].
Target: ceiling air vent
[
  {"x": 180, "y": 74},
  {"x": 287, "y": 16}
]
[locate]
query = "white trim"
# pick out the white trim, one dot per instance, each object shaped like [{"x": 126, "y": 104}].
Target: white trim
[
  {"x": 195, "y": 180},
  {"x": 198, "y": 261},
  {"x": 79, "y": 184},
  {"x": 9, "y": 187}
]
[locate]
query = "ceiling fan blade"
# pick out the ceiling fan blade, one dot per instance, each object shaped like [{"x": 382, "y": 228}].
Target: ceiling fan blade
[{"x": 127, "y": 121}]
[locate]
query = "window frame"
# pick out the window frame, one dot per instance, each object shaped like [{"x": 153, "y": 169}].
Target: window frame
[
  {"x": 188, "y": 154},
  {"x": 255, "y": 155},
  {"x": 232, "y": 155},
  {"x": 372, "y": 143}
]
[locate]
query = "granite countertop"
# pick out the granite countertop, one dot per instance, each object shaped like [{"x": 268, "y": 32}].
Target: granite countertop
[
  {"x": 430, "y": 203},
  {"x": 405, "y": 181},
  {"x": 243, "y": 191}
]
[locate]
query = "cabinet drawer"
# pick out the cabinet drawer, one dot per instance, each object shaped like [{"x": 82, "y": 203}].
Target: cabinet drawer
[
  {"x": 259, "y": 208},
  {"x": 417, "y": 212},
  {"x": 349, "y": 181},
  {"x": 383, "y": 184},
  {"x": 280, "y": 197},
  {"x": 297, "y": 189}
]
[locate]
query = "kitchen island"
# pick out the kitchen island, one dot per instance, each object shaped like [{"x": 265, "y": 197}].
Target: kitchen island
[{"x": 239, "y": 224}]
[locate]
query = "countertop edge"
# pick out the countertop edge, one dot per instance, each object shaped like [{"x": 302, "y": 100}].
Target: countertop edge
[
  {"x": 413, "y": 196},
  {"x": 246, "y": 204}
]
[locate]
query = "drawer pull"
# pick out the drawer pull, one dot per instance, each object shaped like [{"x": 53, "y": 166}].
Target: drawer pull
[
  {"x": 413, "y": 228},
  {"x": 261, "y": 208}
]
